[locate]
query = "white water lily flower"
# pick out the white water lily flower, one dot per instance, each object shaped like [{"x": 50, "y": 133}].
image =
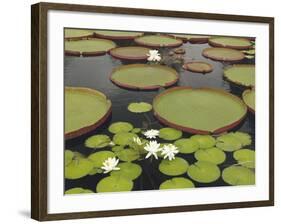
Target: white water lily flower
[
  {"x": 151, "y": 133},
  {"x": 110, "y": 164},
  {"x": 152, "y": 148},
  {"x": 137, "y": 140},
  {"x": 154, "y": 55},
  {"x": 169, "y": 151}
]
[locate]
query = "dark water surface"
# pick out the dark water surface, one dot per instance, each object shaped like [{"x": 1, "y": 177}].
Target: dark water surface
[{"x": 94, "y": 72}]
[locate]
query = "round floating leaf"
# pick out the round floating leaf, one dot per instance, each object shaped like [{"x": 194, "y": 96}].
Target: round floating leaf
[
  {"x": 249, "y": 99},
  {"x": 242, "y": 74},
  {"x": 200, "y": 111},
  {"x": 204, "y": 141},
  {"x": 117, "y": 35},
  {"x": 128, "y": 170},
  {"x": 128, "y": 155},
  {"x": 213, "y": 155},
  {"x": 158, "y": 41},
  {"x": 230, "y": 42},
  {"x": 76, "y": 34},
  {"x": 144, "y": 76},
  {"x": 117, "y": 148},
  {"x": 244, "y": 138},
  {"x": 204, "y": 172},
  {"x": 85, "y": 110},
  {"x": 120, "y": 127},
  {"x": 245, "y": 157},
  {"x": 97, "y": 141},
  {"x": 238, "y": 175},
  {"x": 136, "y": 130},
  {"x": 176, "y": 183},
  {"x": 186, "y": 145},
  {"x": 77, "y": 168},
  {"x": 141, "y": 107},
  {"x": 68, "y": 155},
  {"x": 250, "y": 52},
  {"x": 223, "y": 54},
  {"x": 194, "y": 39},
  {"x": 175, "y": 167},
  {"x": 169, "y": 134},
  {"x": 228, "y": 143},
  {"x": 78, "y": 190},
  {"x": 124, "y": 138},
  {"x": 198, "y": 66},
  {"x": 130, "y": 53},
  {"x": 114, "y": 184},
  {"x": 98, "y": 158},
  {"x": 94, "y": 171}
]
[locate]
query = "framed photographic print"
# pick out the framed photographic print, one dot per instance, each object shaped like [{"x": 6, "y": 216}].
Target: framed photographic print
[{"x": 139, "y": 111}]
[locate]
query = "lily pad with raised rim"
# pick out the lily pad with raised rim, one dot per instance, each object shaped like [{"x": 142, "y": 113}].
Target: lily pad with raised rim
[
  {"x": 230, "y": 42},
  {"x": 128, "y": 170},
  {"x": 97, "y": 141},
  {"x": 169, "y": 134},
  {"x": 144, "y": 76},
  {"x": 201, "y": 111},
  {"x": 77, "y": 34},
  {"x": 114, "y": 184},
  {"x": 98, "y": 158},
  {"x": 245, "y": 157},
  {"x": 85, "y": 110},
  {"x": 198, "y": 66},
  {"x": 193, "y": 39},
  {"x": 186, "y": 145},
  {"x": 176, "y": 183},
  {"x": 242, "y": 74},
  {"x": 130, "y": 53},
  {"x": 158, "y": 41},
  {"x": 212, "y": 155},
  {"x": 223, "y": 54},
  {"x": 117, "y": 35},
  {"x": 78, "y": 190},
  {"x": 140, "y": 107},
  {"x": 120, "y": 126},
  {"x": 124, "y": 138},
  {"x": 175, "y": 167},
  {"x": 238, "y": 175},
  {"x": 248, "y": 97}
]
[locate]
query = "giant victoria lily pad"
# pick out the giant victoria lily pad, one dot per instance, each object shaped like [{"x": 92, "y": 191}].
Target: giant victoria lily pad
[
  {"x": 143, "y": 76},
  {"x": 199, "y": 111},
  {"x": 117, "y": 35},
  {"x": 194, "y": 39},
  {"x": 90, "y": 47},
  {"x": 158, "y": 41},
  {"x": 85, "y": 110},
  {"x": 230, "y": 42},
  {"x": 77, "y": 34},
  {"x": 130, "y": 53},
  {"x": 249, "y": 99},
  {"x": 223, "y": 54},
  {"x": 242, "y": 74}
]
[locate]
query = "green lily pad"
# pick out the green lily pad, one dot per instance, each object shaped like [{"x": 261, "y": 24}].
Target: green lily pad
[
  {"x": 77, "y": 168},
  {"x": 141, "y": 107},
  {"x": 204, "y": 172},
  {"x": 230, "y": 42},
  {"x": 114, "y": 184},
  {"x": 124, "y": 138},
  {"x": 95, "y": 170},
  {"x": 117, "y": 35},
  {"x": 130, "y": 53},
  {"x": 144, "y": 76},
  {"x": 176, "y": 183},
  {"x": 175, "y": 167},
  {"x": 204, "y": 141},
  {"x": 98, "y": 158},
  {"x": 78, "y": 190},
  {"x": 117, "y": 148},
  {"x": 242, "y": 74},
  {"x": 136, "y": 130},
  {"x": 250, "y": 56},
  {"x": 169, "y": 134},
  {"x": 244, "y": 138},
  {"x": 128, "y": 155},
  {"x": 250, "y": 52},
  {"x": 120, "y": 127},
  {"x": 68, "y": 155},
  {"x": 238, "y": 175},
  {"x": 245, "y": 157},
  {"x": 85, "y": 110},
  {"x": 77, "y": 34},
  {"x": 200, "y": 111},
  {"x": 213, "y": 155},
  {"x": 228, "y": 143},
  {"x": 97, "y": 141},
  {"x": 128, "y": 170},
  {"x": 223, "y": 54},
  {"x": 249, "y": 99},
  {"x": 186, "y": 145},
  {"x": 158, "y": 41}
]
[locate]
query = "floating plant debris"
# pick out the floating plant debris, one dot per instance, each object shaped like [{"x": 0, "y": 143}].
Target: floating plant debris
[
  {"x": 97, "y": 141},
  {"x": 169, "y": 134},
  {"x": 120, "y": 127},
  {"x": 158, "y": 41},
  {"x": 114, "y": 184},
  {"x": 124, "y": 138},
  {"x": 248, "y": 97},
  {"x": 245, "y": 157},
  {"x": 144, "y": 77},
  {"x": 198, "y": 66},
  {"x": 213, "y": 155},
  {"x": 186, "y": 145},
  {"x": 77, "y": 34},
  {"x": 78, "y": 190},
  {"x": 130, "y": 53},
  {"x": 223, "y": 54},
  {"x": 201, "y": 111},
  {"x": 141, "y": 107},
  {"x": 230, "y": 42},
  {"x": 117, "y": 35},
  {"x": 175, "y": 167},
  {"x": 242, "y": 74},
  {"x": 238, "y": 175},
  {"x": 128, "y": 170},
  {"x": 176, "y": 183},
  {"x": 204, "y": 172},
  {"x": 93, "y": 109}
]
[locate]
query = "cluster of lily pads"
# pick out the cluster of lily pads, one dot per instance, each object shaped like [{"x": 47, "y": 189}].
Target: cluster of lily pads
[{"x": 116, "y": 158}]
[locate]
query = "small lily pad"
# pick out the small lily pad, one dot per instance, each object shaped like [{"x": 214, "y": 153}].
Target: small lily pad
[
  {"x": 120, "y": 127},
  {"x": 97, "y": 141},
  {"x": 176, "y": 183},
  {"x": 141, "y": 107},
  {"x": 204, "y": 172},
  {"x": 245, "y": 157},
  {"x": 244, "y": 138},
  {"x": 136, "y": 130},
  {"x": 213, "y": 155},
  {"x": 114, "y": 184},
  {"x": 238, "y": 175},
  {"x": 169, "y": 134},
  {"x": 228, "y": 143},
  {"x": 186, "y": 145},
  {"x": 175, "y": 167},
  {"x": 124, "y": 138},
  {"x": 68, "y": 155},
  {"x": 78, "y": 190},
  {"x": 77, "y": 168},
  {"x": 128, "y": 170},
  {"x": 128, "y": 155},
  {"x": 117, "y": 148},
  {"x": 98, "y": 158},
  {"x": 204, "y": 141}
]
